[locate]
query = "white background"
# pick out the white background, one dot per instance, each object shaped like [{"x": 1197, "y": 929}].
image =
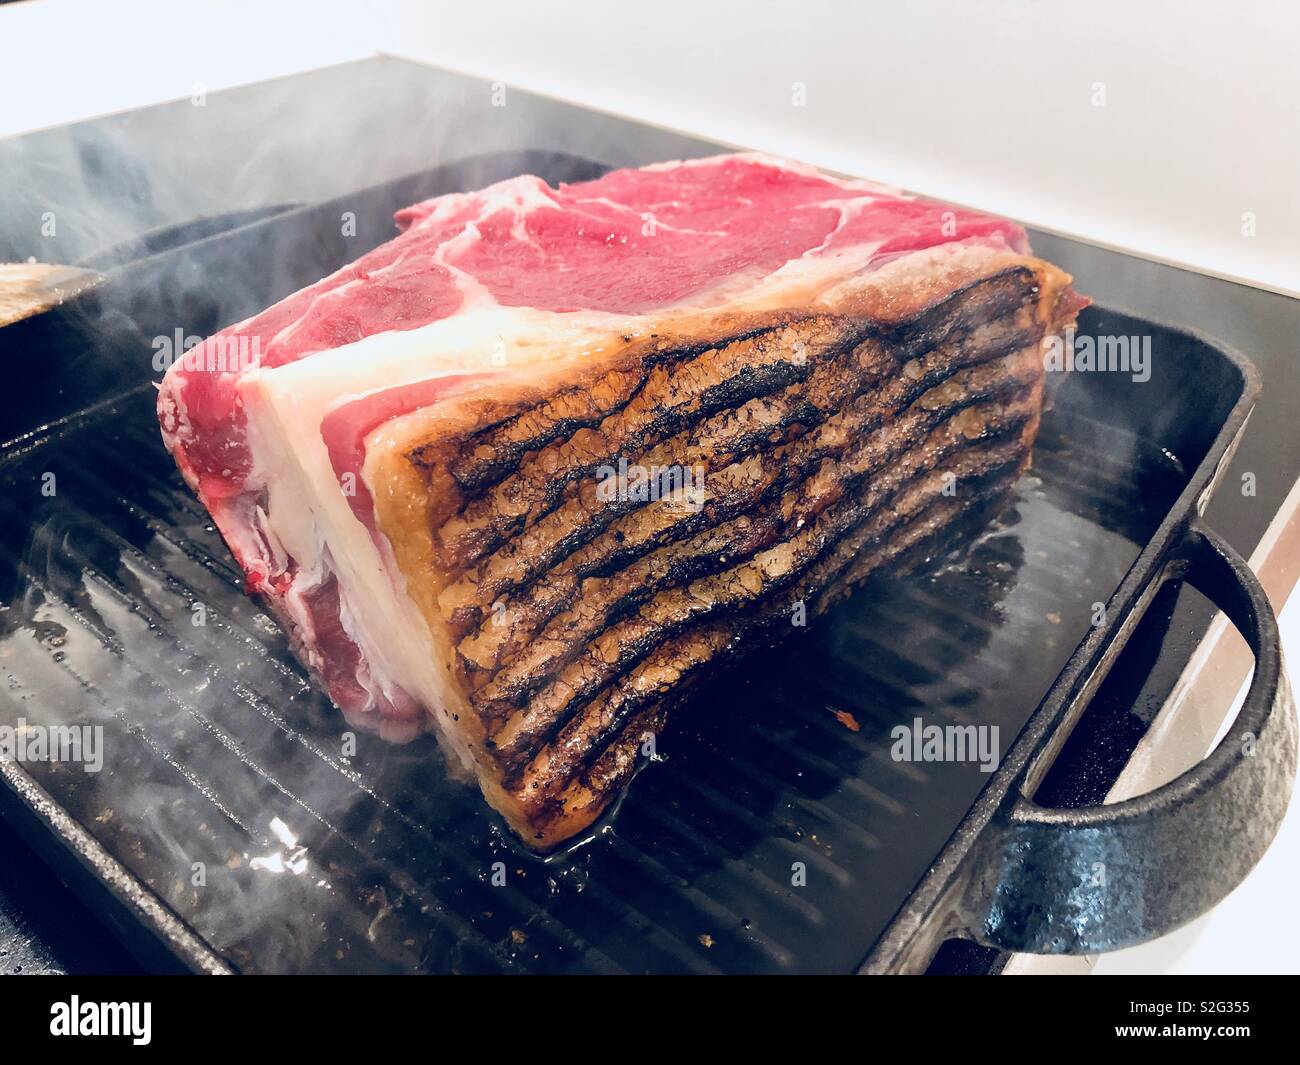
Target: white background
[
  {"x": 997, "y": 104},
  {"x": 989, "y": 103}
]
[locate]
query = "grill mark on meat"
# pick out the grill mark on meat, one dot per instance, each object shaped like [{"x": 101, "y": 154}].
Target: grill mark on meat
[
  {"x": 491, "y": 453},
  {"x": 678, "y": 391},
  {"x": 494, "y": 452},
  {"x": 672, "y": 398},
  {"x": 963, "y": 310},
  {"x": 593, "y": 660},
  {"x": 711, "y": 444},
  {"x": 582, "y": 514},
  {"x": 649, "y": 532},
  {"x": 605, "y": 735}
]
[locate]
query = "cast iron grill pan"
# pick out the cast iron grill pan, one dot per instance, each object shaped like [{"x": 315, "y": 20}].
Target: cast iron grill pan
[{"x": 774, "y": 833}]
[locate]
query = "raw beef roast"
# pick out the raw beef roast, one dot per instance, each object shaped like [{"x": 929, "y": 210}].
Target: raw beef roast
[{"x": 524, "y": 473}]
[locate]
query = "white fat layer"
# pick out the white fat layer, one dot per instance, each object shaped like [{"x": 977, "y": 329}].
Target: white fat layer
[
  {"x": 308, "y": 517},
  {"x": 308, "y": 514}
]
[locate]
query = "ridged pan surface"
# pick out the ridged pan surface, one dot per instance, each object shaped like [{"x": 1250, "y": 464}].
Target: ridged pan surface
[{"x": 774, "y": 831}]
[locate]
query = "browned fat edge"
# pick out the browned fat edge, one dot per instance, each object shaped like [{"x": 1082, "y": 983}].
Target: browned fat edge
[{"x": 554, "y": 736}]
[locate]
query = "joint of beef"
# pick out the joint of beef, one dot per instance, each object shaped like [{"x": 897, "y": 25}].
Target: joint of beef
[{"x": 526, "y": 472}]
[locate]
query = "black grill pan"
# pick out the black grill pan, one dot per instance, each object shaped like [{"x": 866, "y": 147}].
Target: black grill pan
[{"x": 232, "y": 829}]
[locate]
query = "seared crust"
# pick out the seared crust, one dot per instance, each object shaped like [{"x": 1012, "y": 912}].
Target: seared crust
[{"x": 826, "y": 441}]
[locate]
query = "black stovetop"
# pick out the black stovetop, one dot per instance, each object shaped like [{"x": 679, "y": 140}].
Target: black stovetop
[{"x": 323, "y": 134}]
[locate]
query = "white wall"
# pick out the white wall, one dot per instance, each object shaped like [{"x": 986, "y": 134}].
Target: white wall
[{"x": 989, "y": 102}]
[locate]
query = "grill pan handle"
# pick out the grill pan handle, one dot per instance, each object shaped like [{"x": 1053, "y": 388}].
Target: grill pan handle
[{"x": 1080, "y": 881}]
